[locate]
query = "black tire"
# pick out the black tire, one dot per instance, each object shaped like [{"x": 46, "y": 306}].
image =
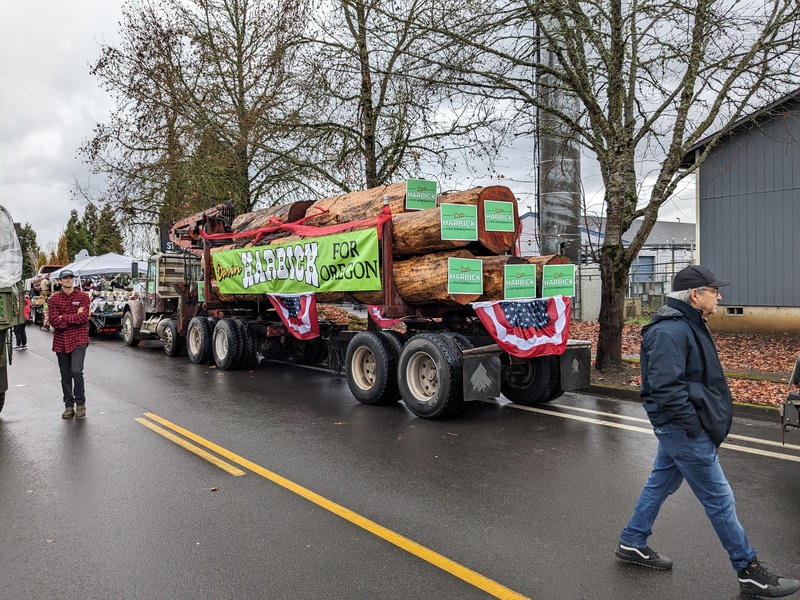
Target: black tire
[
  {"x": 306, "y": 352},
  {"x": 198, "y": 340},
  {"x": 371, "y": 369},
  {"x": 2, "y": 400},
  {"x": 395, "y": 342},
  {"x": 429, "y": 376},
  {"x": 532, "y": 382},
  {"x": 460, "y": 339},
  {"x": 173, "y": 342},
  {"x": 128, "y": 331},
  {"x": 249, "y": 346},
  {"x": 227, "y": 345}
]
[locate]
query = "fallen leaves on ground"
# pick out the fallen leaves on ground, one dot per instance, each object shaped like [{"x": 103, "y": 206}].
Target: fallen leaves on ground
[{"x": 740, "y": 353}]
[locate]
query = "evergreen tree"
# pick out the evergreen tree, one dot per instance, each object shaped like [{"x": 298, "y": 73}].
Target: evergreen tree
[
  {"x": 30, "y": 248},
  {"x": 62, "y": 253},
  {"x": 41, "y": 259},
  {"x": 107, "y": 236},
  {"x": 77, "y": 238},
  {"x": 89, "y": 223}
]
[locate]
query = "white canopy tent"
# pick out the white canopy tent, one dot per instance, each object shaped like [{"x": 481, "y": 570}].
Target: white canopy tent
[{"x": 105, "y": 264}]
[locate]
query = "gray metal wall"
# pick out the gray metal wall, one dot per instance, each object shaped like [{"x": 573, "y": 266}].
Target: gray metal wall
[{"x": 750, "y": 213}]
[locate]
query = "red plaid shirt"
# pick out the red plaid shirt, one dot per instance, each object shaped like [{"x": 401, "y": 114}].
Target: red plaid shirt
[{"x": 72, "y": 329}]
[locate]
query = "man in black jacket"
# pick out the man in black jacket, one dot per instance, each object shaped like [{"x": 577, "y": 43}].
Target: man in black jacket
[{"x": 687, "y": 399}]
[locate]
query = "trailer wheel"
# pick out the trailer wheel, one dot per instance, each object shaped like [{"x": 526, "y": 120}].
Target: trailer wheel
[
  {"x": 429, "y": 376},
  {"x": 198, "y": 340},
  {"x": 533, "y": 382},
  {"x": 460, "y": 339},
  {"x": 173, "y": 342},
  {"x": 395, "y": 340},
  {"x": 371, "y": 369},
  {"x": 249, "y": 346},
  {"x": 227, "y": 346},
  {"x": 306, "y": 352},
  {"x": 128, "y": 331}
]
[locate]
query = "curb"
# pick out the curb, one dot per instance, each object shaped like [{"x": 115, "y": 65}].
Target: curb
[{"x": 748, "y": 411}]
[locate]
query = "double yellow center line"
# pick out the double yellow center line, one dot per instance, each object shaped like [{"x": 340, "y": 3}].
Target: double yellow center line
[{"x": 468, "y": 575}]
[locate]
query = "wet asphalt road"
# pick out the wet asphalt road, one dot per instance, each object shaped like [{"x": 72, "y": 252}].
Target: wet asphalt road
[{"x": 501, "y": 502}]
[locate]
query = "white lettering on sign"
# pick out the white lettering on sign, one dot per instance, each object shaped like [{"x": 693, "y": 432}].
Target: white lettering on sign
[{"x": 296, "y": 262}]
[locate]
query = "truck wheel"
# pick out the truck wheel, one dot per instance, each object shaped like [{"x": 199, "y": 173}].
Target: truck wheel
[
  {"x": 460, "y": 339},
  {"x": 198, "y": 340},
  {"x": 306, "y": 352},
  {"x": 429, "y": 376},
  {"x": 173, "y": 342},
  {"x": 371, "y": 368},
  {"x": 532, "y": 382},
  {"x": 249, "y": 346},
  {"x": 395, "y": 341},
  {"x": 227, "y": 345},
  {"x": 128, "y": 332},
  {"x": 2, "y": 400}
]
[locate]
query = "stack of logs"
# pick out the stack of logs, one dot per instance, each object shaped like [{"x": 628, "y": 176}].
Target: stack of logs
[{"x": 419, "y": 254}]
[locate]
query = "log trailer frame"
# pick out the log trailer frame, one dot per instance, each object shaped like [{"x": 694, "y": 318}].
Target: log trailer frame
[{"x": 444, "y": 360}]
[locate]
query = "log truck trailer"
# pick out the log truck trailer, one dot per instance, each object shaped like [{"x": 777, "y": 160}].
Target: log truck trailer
[{"x": 444, "y": 359}]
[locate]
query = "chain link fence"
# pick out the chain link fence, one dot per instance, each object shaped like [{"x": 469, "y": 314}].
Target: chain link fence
[{"x": 648, "y": 286}]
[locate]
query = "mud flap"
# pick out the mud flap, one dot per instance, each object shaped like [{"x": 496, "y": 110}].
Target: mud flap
[
  {"x": 790, "y": 412},
  {"x": 576, "y": 365},
  {"x": 481, "y": 376}
]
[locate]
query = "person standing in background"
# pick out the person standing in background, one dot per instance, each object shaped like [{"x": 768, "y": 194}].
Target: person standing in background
[
  {"x": 69, "y": 316},
  {"x": 19, "y": 331}
]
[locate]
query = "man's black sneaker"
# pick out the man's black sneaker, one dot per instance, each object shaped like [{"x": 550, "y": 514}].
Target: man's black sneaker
[
  {"x": 755, "y": 580},
  {"x": 646, "y": 557}
]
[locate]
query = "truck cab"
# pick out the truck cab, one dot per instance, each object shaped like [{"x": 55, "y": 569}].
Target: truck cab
[{"x": 169, "y": 278}]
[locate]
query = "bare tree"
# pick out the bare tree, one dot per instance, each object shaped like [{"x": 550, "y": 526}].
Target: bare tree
[
  {"x": 202, "y": 104},
  {"x": 652, "y": 78},
  {"x": 377, "y": 108}
]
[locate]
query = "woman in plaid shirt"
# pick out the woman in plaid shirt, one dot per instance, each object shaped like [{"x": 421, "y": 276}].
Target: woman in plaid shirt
[{"x": 69, "y": 316}]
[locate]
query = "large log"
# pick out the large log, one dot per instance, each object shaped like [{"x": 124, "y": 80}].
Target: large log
[
  {"x": 423, "y": 279},
  {"x": 285, "y": 213},
  {"x": 356, "y": 206},
  {"x": 365, "y": 204},
  {"x": 420, "y": 232}
]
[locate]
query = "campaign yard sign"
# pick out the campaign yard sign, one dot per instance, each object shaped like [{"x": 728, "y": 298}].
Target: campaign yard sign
[
  {"x": 498, "y": 216},
  {"x": 464, "y": 276},
  {"x": 343, "y": 262},
  {"x": 420, "y": 194},
  {"x": 519, "y": 282},
  {"x": 558, "y": 280},
  {"x": 459, "y": 222}
]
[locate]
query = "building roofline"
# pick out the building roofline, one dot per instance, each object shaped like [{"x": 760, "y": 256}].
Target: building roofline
[{"x": 751, "y": 118}]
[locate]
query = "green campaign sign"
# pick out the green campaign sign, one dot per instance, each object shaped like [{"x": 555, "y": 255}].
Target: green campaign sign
[
  {"x": 345, "y": 262},
  {"x": 519, "y": 281},
  {"x": 459, "y": 222},
  {"x": 558, "y": 280},
  {"x": 498, "y": 216},
  {"x": 464, "y": 276},
  {"x": 420, "y": 194}
]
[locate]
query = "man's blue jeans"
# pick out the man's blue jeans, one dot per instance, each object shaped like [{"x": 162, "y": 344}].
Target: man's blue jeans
[{"x": 694, "y": 459}]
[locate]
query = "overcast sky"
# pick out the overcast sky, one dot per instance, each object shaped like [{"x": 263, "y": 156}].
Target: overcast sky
[{"x": 50, "y": 104}]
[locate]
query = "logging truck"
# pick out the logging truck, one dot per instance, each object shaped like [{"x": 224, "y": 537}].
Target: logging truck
[{"x": 237, "y": 288}]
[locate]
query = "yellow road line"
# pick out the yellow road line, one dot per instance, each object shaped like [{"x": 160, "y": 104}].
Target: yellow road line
[
  {"x": 192, "y": 448},
  {"x": 745, "y": 449},
  {"x": 476, "y": 579}
]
